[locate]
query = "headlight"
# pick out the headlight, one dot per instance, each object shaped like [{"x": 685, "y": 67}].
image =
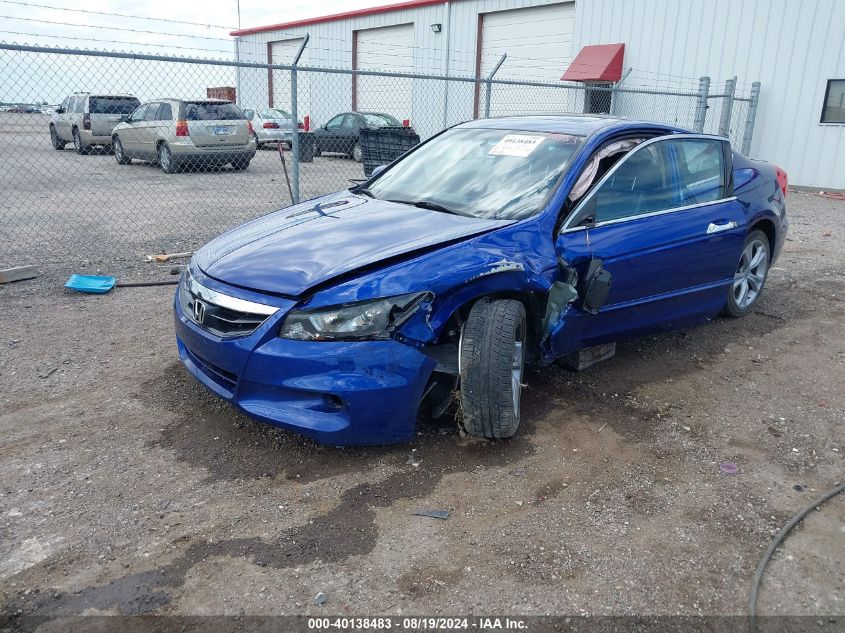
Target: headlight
[{"x": 373, "y": 320}]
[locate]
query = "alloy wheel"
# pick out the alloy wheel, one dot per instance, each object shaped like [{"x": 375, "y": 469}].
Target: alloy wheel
[
  {"x": 750, "y": 274},
  {"x": 517, "y": 368}
]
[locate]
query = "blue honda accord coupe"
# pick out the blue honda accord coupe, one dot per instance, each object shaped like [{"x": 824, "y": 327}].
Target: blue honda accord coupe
[{"x": 496, "y": 243}]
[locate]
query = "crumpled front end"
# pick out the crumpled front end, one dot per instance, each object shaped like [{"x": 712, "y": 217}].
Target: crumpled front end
[{"x": 338, "y": 393}]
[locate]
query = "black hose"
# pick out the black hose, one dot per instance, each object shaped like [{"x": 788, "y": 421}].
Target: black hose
[
  {"x": 142, "y": 284},
  {"x": 761, "y": 568}
]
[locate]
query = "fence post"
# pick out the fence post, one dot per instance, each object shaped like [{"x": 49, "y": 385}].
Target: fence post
[
  {"x": 294, "y": 144},
  {"x": 490, "y": 85},
  {"x": 701, "y": 104},
  {"x": 750, "y": 118},
  {"x": 727, "y": 107}
]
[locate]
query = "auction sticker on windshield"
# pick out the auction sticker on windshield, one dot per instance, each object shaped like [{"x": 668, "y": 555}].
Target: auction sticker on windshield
[{"x": 516, "y": 145}]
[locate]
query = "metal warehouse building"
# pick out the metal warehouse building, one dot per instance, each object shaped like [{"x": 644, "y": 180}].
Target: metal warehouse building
[{"x": 795, "y": 49}]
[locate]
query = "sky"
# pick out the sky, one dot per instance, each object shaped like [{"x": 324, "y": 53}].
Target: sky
[{"x": 23, "y": 21}]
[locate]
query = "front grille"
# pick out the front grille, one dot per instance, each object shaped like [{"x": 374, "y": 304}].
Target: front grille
[{"x": 220, "y": 320}]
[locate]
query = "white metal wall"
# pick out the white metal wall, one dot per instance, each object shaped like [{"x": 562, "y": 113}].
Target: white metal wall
[
  {"x": 791, "y": 46},
  {"x": 385, "y": 48}
]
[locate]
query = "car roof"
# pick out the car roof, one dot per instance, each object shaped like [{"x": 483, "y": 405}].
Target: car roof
[{"x": 576, "y": 124}]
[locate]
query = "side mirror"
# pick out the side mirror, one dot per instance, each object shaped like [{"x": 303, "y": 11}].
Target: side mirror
[
  {"x": 125, "y": 118},
  {"x": 60, "y": 110},
  {"x": 377, "y": 170}
]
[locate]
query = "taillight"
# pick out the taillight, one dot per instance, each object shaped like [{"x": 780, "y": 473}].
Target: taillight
[
  {"x": 270, "y": 125},
  {"x": 250, "y": 128},
  {"x": 783, "y": 181},
  {"x": 182, "y": 128},
  {"x": 86, "y": 121}
]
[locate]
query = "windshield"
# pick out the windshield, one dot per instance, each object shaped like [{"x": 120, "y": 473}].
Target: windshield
[
  {"x": 491, "y": 174},
  {"x": 112, "y": 105},
  {"x": 379, "y": 120},
  {"x": 212, "y": 111}
]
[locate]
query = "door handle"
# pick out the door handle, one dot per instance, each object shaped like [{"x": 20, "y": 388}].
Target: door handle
[{"x": 718, "y": 228}]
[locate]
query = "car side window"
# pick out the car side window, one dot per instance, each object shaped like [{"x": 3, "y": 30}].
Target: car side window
[
  {"x": 350, "y": 121},
  {"x": 139, "y": 113},
  {"x": 152, "y": 112},
  {"x": 79, "y": 106},
  {"x": 336, "y": 122},
  {"x": 249, "y": 114},
  {"x": 640, "y": 184},
  {"x": 165, "y": 112},
  {"x": 65, "y": 104},
  {"x": 701, "y": 170}
]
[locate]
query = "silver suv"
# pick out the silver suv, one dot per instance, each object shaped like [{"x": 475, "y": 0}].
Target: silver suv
[
  {"x": 176, "y": 133},
  {"x": 87, "y": 120}
]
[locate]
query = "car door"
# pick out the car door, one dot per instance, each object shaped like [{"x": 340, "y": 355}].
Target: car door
[
  {"x": 330, "y": 139},
  {"x": 668, "y": 237},
  {"x": 60, "y": 120},
  {"x": 163, "y": 125},
  {"x": 349, "y": 131},
  {"x": 146, "y": 131},
  {"x": 130, "y": 135}
]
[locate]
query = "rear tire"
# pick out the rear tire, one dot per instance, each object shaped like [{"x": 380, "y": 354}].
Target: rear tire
[
  {"x": 58, "y": 144},
  {"x": 357, "y": 154},
  {"x": 165, "y": 159},
  {"x": 81, "y": 149},
  {"x": 492, "y": 363},
  {"x": 750, "y": 276},
  {"x": 119, "y": 155},
  {"x": 240, "y": 164}
]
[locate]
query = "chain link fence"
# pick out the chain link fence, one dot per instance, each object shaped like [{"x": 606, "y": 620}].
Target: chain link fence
[{"x": 89, "y": 181}]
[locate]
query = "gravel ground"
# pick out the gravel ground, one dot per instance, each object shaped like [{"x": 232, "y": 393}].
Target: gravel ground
[{"x": 127, "y": 488}]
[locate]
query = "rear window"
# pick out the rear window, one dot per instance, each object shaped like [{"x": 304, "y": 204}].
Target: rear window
[
  {"x": 380, "y": 120},
  {"x": 212, "y": 111},
  {"x": 112, "y": 105},
  {"x": 275, "y": 113}
]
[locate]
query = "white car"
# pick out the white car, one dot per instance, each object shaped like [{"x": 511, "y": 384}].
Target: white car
[{"x": 271, "y": 125}]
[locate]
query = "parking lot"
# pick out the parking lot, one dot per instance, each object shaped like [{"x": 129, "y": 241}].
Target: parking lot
[
  {"x": 126, "y": 488},
  {"x": 68, "y": 210}
]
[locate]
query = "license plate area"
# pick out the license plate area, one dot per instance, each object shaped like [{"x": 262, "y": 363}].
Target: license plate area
[{"x": 221, "y": 130}]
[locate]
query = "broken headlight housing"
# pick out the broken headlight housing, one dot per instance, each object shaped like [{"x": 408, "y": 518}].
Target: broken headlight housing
[{"x": 368, "y": 320}]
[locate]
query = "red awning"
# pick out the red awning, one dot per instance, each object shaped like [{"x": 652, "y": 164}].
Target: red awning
[{"x": 599, "y": 62}]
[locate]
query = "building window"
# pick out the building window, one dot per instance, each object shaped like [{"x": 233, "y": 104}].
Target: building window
[{"x": 833, "y": 110}]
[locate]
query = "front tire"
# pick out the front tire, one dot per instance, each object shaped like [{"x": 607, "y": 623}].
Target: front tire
[
  {"x": 750, "y": 276},
  {"x": 58, "y": 144},
  {"x": 119, "y": 154},
  {"x": 165, "y": 159},
  {"x": 492, "y": 363},
  {"x": 80, "y": 148}
]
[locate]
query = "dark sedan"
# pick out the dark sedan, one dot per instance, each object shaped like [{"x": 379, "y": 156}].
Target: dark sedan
[{"x": 340, "y": 134}]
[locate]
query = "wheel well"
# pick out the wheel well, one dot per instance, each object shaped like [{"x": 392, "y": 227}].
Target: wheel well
[
  {"x": 534, "y": 311},
  {"x": 768, "y": 227}
]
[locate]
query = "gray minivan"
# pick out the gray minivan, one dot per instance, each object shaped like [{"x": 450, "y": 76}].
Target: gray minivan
[
  {"x": 177, "y": 133},
  {"x": 87, "y": 120}
]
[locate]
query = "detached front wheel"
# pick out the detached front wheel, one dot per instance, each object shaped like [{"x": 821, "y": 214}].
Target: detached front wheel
[{"x": 492, "y": 363}]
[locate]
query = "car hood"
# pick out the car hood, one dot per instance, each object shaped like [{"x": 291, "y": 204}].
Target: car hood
[{"x": 290, "y": 251}]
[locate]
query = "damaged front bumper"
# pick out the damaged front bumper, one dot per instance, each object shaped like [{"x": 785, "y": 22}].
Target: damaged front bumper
[{"x": 337, "y": 393}]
